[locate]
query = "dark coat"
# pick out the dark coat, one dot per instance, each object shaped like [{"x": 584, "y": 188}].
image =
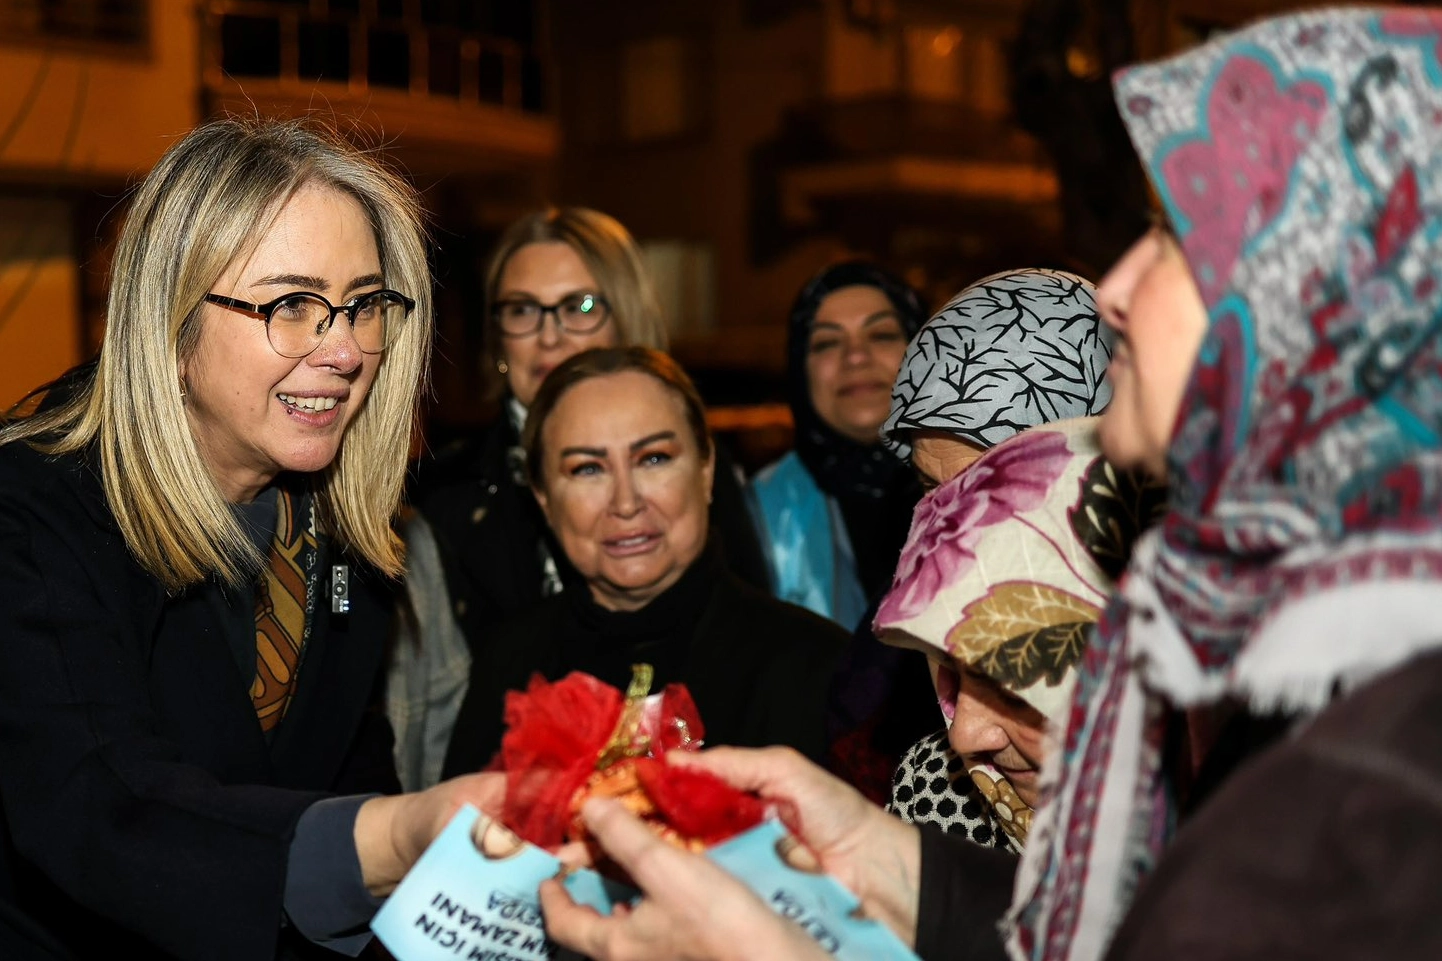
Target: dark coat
[
  {"x": 965, "y": 889},
  {"x": 491, "y": 535},
  {"x": 145, "y": 813},
  {"x": 757, "y": 668},
  {"x": 1327, "y": 845},
  {"x": 493, "y": 540}
]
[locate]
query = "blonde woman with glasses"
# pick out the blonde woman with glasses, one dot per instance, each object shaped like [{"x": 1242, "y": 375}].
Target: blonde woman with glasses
[{"x": 195, "y": 550}]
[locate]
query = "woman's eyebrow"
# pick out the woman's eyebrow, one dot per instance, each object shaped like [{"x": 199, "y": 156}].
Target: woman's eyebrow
[
  {"x": 308, "y": 281},
  {"x": 527, "y": 295},
  {"x": 312, "y": 282},
  {"x": 583, "y": 452},
  {"x": 653, "y": 438},
  {"x": 887, "y": 314}
]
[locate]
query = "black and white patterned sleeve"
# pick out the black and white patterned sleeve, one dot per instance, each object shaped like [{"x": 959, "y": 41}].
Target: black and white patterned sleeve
[{"x": 931, "y": 786}]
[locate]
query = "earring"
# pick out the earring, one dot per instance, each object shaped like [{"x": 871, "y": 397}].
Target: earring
[
  {"x": 503, "y": 367},
  {"x": 182, "y": 390}
]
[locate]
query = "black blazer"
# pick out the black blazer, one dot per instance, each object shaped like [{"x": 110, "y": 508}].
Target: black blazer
[
  {"x": 142, "y": 807},
  {"x": 491, "y": 535}
]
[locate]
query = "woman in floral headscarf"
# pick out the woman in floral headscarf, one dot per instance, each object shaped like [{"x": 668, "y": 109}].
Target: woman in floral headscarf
[
  {"x": 1008, "y": 566},
  {"x": 1300, "y": 164}
]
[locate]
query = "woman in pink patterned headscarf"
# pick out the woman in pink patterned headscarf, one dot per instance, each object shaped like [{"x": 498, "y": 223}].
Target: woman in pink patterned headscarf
[
  {"x": 1280, "y": 359},
  {"x": 1006, "y": 569}
]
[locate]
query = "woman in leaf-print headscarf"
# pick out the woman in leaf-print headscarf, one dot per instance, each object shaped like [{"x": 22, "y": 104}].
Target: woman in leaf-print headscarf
[
  {"x": 1007, "y": 567},
  {"x": 1011, "y": 351}
]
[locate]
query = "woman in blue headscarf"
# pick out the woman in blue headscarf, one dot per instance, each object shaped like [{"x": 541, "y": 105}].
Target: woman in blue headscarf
[{"x": 833, "y": 513}]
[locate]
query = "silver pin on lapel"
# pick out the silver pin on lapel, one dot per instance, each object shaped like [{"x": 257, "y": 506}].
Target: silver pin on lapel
[{"x": 340, "y": 589}]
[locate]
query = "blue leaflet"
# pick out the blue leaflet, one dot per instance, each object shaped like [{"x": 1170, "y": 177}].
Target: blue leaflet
[{"x": 458, "y": 903}]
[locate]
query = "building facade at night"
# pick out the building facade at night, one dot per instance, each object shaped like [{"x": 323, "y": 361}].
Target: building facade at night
[
  {"x": 746, "y": 143},
  {"x": 93, "y": 91}
]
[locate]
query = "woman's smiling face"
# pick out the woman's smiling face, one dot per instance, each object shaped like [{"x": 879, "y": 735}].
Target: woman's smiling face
[
  {"x": 625, "y": 486},
  {"x": 546, "y": 273},
  {"x": 253, "y": 412},
  {"x": 852, "y": 357}
]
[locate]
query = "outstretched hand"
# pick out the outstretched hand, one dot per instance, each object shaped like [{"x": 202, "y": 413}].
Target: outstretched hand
[
  {"x": 391, "y": 833},
  {"x": 872, "y": 853},
  {"x": 692, "y": 910}
]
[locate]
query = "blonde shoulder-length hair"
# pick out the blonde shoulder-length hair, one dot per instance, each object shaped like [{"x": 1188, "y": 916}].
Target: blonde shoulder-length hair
[
  {"x": 207, "y": 202},
  {"x": 609, "y": 252}
]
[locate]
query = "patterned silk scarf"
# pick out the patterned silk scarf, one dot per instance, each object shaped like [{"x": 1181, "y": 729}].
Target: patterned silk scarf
[
  {"x": 1300, "y": 164},
  {"x": 284, "y": 602},
  {"x": 1011, "y": 351}
]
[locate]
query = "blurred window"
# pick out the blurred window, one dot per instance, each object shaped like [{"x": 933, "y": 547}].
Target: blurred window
[
  {"x": 471, "y": 51},
  {"x": 656, "y": 81},
  {"x": 250, "y": 46},
  {"x": 389, "y": 60},
  {"x": 987, "y": 80},
  {"x": 934, "y": 63},
  {"x": 860, "y": 62},
  {"x": 684, "y": 273},
  {"x": 443, "y": 61},
  {"x": 123, "y": 23},
  {"x": 324, "y": 51}
]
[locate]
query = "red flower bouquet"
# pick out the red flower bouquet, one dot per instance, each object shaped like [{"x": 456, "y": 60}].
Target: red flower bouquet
[{"x": 579, "y": 738}]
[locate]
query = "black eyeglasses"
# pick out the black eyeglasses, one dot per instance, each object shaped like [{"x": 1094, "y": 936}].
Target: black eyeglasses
[
  {"x": 580, "y": 313},
  {"x": 297, "y": 322}
]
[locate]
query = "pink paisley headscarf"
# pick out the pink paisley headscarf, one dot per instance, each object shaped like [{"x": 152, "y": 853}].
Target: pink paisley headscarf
[{"x": 1300, "y": 162}]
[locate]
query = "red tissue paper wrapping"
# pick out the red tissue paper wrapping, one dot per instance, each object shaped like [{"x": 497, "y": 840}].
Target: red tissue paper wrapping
[{"x": 578, "y": 737}]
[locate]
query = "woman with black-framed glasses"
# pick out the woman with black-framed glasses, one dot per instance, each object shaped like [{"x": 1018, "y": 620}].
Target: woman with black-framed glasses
[
  {"x": 561, "y": 281},
  {"x": 195, "y": 547},
  {"x": 297, "y": 322}
]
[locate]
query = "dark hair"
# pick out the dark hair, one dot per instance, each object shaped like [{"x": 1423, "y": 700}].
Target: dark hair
[{"x": 600, "y": 362}]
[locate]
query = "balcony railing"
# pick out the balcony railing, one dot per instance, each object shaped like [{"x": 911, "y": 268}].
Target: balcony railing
[
  {"x": 308, "y": 43},
  {"x": 888, "y": 125},
  {"x": 121, "y": 24}
]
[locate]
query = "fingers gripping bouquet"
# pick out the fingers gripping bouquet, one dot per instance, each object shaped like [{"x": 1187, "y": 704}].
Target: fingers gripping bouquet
[{"x": 578, "y": 737}]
